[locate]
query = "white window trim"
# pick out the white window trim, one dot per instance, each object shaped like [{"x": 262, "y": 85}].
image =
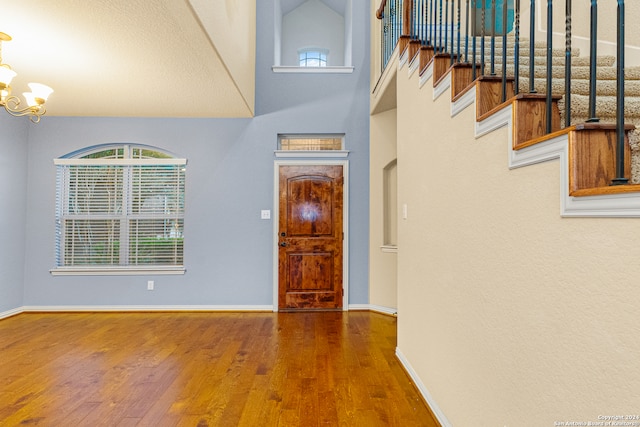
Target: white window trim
[
  {"x": 117, "y": 270},
  {"x": 309, "y": 70}
]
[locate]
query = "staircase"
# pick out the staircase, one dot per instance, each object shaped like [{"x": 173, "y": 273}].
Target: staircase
[
  {"x": 594, "y": 145},
  {"x": 580, "y": 88}
]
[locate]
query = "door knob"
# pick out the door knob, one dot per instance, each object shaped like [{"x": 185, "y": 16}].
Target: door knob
[{"x": 283, "y": 244}]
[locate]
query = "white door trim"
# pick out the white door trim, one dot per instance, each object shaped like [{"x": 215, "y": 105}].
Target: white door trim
[{"x": 345, "y": 221}]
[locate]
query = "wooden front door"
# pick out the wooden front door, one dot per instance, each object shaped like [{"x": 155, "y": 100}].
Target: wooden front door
[{"x": 310, "y": 237}]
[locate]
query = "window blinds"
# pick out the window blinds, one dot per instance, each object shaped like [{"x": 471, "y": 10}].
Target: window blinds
[{"x": 120, "y": 212}]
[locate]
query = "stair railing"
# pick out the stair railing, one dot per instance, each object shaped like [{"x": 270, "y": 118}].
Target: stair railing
[
  {"x": 567, "y": 64},
  {"x": 516, "y": 47},
  {"x": 388, "y": 13},
  {"x": 426, "y": 22},
  {"x": 549, "y": 105},
  {"x": 620, "y": 133},
  {"x": 593, "y": 52},
  {"x": 504, "y": 50},
  {"x": 532, "y": 46},
  {"x": 466, "y": 33},
  {"x": 455, "y": 32}
]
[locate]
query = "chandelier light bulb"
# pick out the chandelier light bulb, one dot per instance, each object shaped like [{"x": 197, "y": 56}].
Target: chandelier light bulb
[
  {"x": 35, "y": 99},
  {"x": 6, "y": 74},
  {"x": 40, "y": 91}
]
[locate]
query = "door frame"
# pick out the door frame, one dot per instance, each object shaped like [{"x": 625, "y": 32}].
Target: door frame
[{"x": 345, "y": 221}]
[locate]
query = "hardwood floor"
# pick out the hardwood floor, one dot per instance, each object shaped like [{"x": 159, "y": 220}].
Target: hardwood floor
[{"x": 205, "y": 369}]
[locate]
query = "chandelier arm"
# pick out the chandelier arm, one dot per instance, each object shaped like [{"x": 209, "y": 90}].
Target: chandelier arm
[{"x": 12, "y": 103}]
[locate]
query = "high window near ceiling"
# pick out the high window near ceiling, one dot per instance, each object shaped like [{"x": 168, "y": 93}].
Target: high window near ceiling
[
  {"x": 313, "y": 34},
  {"x": 120, "y": 210}
]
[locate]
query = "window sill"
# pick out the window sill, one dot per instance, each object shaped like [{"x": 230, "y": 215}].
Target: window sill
[
  {"x": 389, "y": 249},
  {"x": 116, "y": 271},
  {"x": 307, "y": 70}
]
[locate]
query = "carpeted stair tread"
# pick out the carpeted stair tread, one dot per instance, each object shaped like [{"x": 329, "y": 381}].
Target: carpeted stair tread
[
  {"x": 581, "y": 87},
  {"x": 579, "y": 72},
  {"x": 605, "y": 106},
  {"x": 559, "y": 61}
]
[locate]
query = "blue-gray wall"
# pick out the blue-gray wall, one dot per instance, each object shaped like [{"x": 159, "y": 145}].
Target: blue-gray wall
[
  {"x": 13, "y": 200},
  {"x": 228, "y": 248}
]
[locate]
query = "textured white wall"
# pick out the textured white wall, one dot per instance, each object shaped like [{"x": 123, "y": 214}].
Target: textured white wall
[
  {"x": 313, "y": 24},
  {"x": 510, "y": 314},
  {"x": 382, "y": 265}
]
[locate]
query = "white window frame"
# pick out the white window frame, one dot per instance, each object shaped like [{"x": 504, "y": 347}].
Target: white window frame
[
  {"x": 127, "y": 165},
  {"x": 323, "y": 57}
]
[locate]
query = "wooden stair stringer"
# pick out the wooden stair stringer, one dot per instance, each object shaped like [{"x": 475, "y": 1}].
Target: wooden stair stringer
[{"x": 596, "y": 201}]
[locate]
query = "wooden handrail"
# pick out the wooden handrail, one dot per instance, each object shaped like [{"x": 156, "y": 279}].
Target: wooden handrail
[{"x": 380, "y": 11}]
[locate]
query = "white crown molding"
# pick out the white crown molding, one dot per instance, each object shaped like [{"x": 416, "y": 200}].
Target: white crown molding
[{"x": 435, "y": 409}]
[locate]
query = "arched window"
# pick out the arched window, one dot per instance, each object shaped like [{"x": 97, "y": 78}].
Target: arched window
[
  {"x": 120, "y": 208},
  {"x": 312, "y": 57}
]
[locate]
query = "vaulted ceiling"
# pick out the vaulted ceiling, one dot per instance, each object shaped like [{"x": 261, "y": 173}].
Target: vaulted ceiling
[{"x": 138, "y": 58}]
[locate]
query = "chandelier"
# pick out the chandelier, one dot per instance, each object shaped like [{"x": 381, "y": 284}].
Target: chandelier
[{"x": 35, "y": 99}]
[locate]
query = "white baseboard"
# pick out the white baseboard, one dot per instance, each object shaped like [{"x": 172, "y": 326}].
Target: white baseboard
[
  {"x": 108, "y": 308},
  {"x": 442, "y": 419},
  {"x": 125, "y": 308},
  {"x": 373, "y": 307},
  {"x": 9, "y": 313}
]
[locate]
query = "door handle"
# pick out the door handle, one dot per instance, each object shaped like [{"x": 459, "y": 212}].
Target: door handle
[{"x": 283, "y": 244}]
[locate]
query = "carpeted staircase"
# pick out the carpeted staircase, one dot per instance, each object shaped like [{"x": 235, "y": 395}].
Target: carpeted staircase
[{"x": 580, "y": 72}]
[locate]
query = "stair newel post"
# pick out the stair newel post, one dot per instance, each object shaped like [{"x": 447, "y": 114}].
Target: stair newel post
[
  {"x": 620, "y": 133},
  {"x": 483, "y": 23},
  {"x": 474, "y": 70},
  {"x": 593, "y": 62},
  {"x": 504, "y": 50},
  {"x": 549, "y": 63},
  {"x": 567, "y": 66},
  {"x": 493, "y": 37},
  {"x": 532, "y": 46},
  {"x": 466, "y": 36},
  {"x": 516, "y": 48}
]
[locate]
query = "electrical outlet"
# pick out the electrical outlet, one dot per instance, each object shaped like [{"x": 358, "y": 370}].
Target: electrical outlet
[
  {"x": 150, "y": 285},
  {"x": 265, "y": 214}
]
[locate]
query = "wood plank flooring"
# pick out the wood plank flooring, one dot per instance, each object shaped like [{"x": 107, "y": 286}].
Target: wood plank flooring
[{"x": 205, "y": 369}]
